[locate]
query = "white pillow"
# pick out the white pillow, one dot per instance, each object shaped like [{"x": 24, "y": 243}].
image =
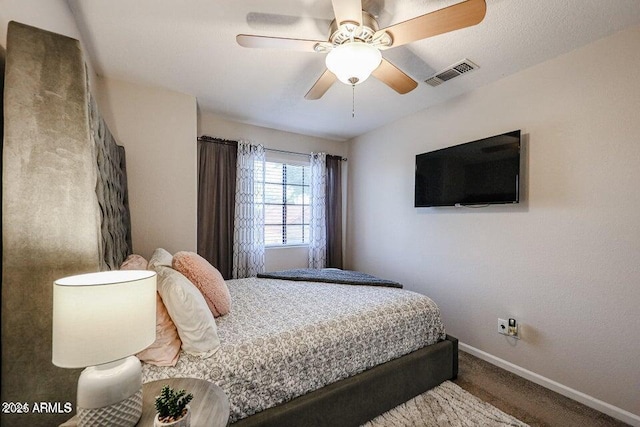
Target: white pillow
[
  {"x": 160, "y": 257},
  {"x": 189, "y": 311}
]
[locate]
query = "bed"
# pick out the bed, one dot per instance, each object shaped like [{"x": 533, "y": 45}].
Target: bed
[
  {"x": 54, "y": 140},
  {"x": 285, "y": 339}
]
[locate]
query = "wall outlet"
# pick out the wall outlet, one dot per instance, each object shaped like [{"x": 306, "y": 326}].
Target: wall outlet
[
  {"x": 508, "y": 327},
  {"x": 503, "y": 326}
]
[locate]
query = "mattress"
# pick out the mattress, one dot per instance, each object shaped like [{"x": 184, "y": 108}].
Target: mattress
[{"x": 283, "y": 339}]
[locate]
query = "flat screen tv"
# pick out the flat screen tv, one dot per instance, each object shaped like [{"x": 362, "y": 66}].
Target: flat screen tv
[{"x": 481, "y": 172}]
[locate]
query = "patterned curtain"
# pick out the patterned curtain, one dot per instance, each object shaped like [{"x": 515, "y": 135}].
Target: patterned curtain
[
  {"x": 248, "y": 237},
  {"x": 317, "y": 223}
]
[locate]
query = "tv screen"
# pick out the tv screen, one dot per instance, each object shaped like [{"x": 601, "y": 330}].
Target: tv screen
[{"x": 480, "y": 172}]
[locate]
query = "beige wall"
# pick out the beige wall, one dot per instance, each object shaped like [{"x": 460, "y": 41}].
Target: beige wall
[
  {"x": 157, "y": 127},
  {"x": 566, "y": 262},
  {"x": 213, "y": 125}
]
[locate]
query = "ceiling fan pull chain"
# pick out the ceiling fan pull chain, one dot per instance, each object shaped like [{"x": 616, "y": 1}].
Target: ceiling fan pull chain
[{"x": 353, "y": 100}]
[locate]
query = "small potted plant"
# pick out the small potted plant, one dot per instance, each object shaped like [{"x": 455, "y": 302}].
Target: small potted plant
[{"x": 172, "y": 408}]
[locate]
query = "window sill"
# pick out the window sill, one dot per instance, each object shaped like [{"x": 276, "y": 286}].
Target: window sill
[{"x": 301, "y": 245}]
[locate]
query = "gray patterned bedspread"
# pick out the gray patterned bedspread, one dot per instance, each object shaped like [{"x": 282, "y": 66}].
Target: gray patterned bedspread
[
  {"x": 330, "y": 275},
  {"x": 283, "y": 339}
]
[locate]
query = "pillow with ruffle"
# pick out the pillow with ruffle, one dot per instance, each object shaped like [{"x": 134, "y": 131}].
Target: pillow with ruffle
[
  {"x": 206, "y": 278},
  {"x": 189, "y": 311},
  {"x": 165, "y": 349},
  {"x": 134, "y": 262}
]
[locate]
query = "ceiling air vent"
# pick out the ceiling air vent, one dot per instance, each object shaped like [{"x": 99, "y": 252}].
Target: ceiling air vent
[{"x": 455, "y": 70}]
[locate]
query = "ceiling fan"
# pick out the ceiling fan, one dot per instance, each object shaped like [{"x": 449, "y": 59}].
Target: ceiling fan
[{"x": 355, "y": 43}]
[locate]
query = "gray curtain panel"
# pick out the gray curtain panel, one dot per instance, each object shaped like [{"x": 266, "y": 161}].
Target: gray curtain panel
[
  {"x": 2, "y": 59},
  {"x": 216, "y": 201},
  {"x": 334, "y": 211}
]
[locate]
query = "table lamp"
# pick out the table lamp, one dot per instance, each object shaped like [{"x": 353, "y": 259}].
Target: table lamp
[{"x": 99, "y": 321}]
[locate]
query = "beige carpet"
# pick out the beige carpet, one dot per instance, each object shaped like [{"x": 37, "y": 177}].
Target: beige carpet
[
  {"x": 525, "y": 400},
  {"x": 445, "y": 405}
]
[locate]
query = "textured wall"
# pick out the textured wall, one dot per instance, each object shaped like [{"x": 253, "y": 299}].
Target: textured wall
[
  {"x": 566, "y": 261},
  {"x": 111, "y": 191}
]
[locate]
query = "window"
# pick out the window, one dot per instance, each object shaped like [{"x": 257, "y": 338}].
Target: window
[{"x": 286, "y": 199}]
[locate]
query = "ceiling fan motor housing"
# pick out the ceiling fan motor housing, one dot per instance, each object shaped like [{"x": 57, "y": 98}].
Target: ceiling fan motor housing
[{"x": 349, "y": 31}]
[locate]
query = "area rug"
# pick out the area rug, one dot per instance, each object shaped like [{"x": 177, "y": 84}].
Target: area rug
[{"x": 444, "y": 405}]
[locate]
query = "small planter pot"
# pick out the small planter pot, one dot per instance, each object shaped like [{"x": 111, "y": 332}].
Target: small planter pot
[{"x": 185, "y": 421}]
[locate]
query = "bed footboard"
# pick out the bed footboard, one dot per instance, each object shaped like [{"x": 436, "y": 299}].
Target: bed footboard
[{"x": 358, "y": 399}]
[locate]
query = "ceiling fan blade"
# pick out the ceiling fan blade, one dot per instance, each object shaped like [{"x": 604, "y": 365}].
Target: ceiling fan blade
[
  {"x": 321, "y": 85},
  {"x": 347, "y": 11},
  {"x": 248, "y": 40},
  {"x": 393, "y": 77},
  {"x": 455, "y": 17}
]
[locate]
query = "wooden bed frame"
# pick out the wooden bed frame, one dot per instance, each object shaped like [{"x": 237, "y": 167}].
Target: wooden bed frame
[{"x": 56, "y": 147}]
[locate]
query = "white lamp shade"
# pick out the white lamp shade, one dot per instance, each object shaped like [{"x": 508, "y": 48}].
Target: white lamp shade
[
  {"x": 102, "y": 317},
  {"x": 353, "y": 62}
]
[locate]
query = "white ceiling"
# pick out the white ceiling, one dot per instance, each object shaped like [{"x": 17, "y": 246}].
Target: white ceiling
[{"x": 189, "y": 46}]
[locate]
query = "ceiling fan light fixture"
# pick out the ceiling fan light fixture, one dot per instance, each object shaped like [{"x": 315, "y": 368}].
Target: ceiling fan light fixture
[{"x": 353, "y": 62}]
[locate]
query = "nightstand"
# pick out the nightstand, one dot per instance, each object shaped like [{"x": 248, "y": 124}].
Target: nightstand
[{"x": 209, "y": 407}]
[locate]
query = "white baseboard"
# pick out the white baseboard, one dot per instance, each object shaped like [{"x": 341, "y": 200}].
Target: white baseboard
[{"x": 576, "y": 395}]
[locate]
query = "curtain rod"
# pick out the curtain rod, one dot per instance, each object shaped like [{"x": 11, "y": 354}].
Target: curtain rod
[{"x": 229, "y": 142}]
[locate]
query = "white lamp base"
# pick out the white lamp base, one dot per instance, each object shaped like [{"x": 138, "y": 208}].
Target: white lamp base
[{"x": 110, "y": 395}]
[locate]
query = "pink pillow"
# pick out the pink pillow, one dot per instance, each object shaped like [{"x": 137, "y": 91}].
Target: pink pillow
[
  {"x": 206, "y": 278},
  {"x": 165, "y": 349},
  {"x": 134, "y": 262}
]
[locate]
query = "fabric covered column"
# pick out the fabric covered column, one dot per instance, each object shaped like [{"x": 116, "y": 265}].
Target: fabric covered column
[{"x": 52, "y": 219}]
